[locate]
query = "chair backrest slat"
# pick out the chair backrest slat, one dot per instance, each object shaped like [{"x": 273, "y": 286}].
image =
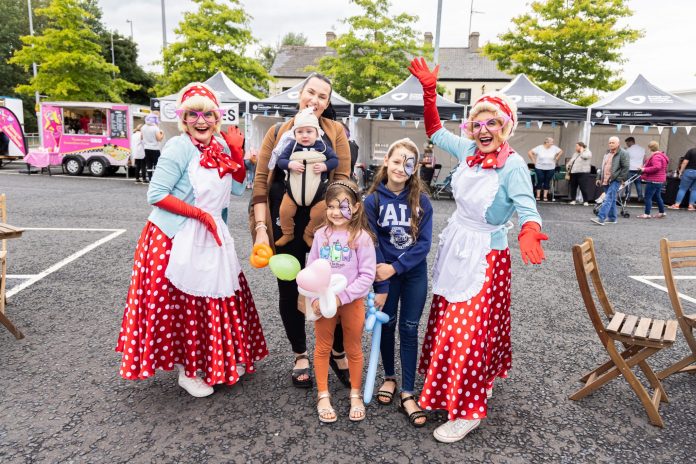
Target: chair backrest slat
[
  {"x": 668, "y": 250},
  {"x": 586, "y": 268},
  {"x": 3, "y": 217}
]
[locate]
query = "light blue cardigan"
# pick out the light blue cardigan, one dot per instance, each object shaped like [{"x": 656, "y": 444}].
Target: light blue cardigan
[
  {"x": 171, "y": 177},
  {"x": 514, "y": 194}
]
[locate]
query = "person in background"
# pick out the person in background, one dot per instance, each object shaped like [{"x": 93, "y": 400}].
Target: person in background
[
  {"x": 687, "y": 172},
  {"x": 636, "y": 156},
  {"x": 654, "y": 174},
  {"x": 354, "y": 149},
  {"x": 138, "y": 155},
  {"x": 544, "y": 157},
  {"x": 579, "y": 164},
  {"x": 611, "y": 176},
  {"x": 250, "y": 158},
  {"x": 152, "y": 136}
]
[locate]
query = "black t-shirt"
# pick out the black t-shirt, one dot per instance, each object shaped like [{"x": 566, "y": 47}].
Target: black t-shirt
[{"x": 691, "y": 157}]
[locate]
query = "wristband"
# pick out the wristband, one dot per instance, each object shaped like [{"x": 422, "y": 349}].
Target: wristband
[{"x": 261, "y": 225}]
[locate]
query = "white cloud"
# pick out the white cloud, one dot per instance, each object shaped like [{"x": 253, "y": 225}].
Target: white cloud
[{"x": 663, "y": 55}]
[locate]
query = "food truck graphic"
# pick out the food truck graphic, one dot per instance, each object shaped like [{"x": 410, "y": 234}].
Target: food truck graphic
[{"x": 95, "y": 136}]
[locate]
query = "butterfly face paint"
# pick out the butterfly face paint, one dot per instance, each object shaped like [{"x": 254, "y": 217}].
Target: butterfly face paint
[
  {"x": 409, "y": 166},
  {"x": 344, "y": 207}
]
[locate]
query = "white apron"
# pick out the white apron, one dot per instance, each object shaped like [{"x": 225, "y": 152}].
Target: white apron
[
  {"x": 197, "y": 265},
  {"x": 460, "y": 265}
]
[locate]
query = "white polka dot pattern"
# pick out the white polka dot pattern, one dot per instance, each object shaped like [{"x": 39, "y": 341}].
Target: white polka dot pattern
[
  {"x": 163, "y": 326},
  {"x": 467, "y": 345}
]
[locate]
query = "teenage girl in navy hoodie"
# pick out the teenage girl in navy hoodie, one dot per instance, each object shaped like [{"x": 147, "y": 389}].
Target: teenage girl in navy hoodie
[{"x": 400, "y": 215}]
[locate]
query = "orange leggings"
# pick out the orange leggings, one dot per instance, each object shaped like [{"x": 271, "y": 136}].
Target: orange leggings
[{"x": 352, "y": 316}]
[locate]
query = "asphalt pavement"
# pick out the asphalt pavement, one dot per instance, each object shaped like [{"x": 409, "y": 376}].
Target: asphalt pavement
[{"x": 62, "y": 400}]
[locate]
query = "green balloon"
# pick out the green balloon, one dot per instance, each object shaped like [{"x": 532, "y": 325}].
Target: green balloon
[{"x": 284, "y": 267}]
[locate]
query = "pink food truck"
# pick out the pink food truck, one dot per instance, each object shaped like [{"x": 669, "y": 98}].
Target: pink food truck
[{"x": 95, "y": 136}]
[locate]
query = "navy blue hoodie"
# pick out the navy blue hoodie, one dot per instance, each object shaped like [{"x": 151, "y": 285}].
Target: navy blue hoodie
[{"x": 393, "y": 231}]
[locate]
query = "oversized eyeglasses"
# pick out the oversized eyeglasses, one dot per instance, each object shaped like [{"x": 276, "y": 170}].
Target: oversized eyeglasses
[
  {"x": 191, "y": 116},
  {"x": 492, "y": 125}
]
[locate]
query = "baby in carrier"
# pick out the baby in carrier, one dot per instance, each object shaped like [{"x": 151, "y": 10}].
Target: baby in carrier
[{"x": 308, "y": 161}]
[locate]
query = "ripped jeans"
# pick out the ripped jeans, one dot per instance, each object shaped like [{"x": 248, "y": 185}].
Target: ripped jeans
[{"x": 409, "y": 290}]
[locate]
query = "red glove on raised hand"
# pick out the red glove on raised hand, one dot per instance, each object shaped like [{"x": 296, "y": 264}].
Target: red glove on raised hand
[
  {"x": 235, "y": 140},
  {"x": 530, "y": 243},
  {"x": 428, "y": 79},
  {"x": 174, "y": 205}
]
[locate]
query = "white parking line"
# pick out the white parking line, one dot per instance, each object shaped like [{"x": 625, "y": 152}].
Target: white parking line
[
  {"x": 648, "y": 280},
  {"x": 35, "y": 278},
  {"x": 21, "y": 276}
]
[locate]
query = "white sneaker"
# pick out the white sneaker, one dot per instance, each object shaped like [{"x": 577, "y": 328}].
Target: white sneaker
[
  {"x": 573, "y": 202},
  {"x": 241, "y": 369},
  {"x": 195, "y": 386},
  {"x": 455, "y": 430},
  {"x": 489, "y": 393},
  {"x": 586, "y": 204}
]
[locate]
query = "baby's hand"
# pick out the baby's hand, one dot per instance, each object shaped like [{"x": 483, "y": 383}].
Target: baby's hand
[
  {"x": 296, "y": 166},
  {"x": 319, "y": 168},
  {"x": 316, "y": 308}
]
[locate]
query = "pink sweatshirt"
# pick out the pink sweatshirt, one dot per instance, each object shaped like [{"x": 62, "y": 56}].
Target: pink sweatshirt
[
  {"x": 357, "y": 264},
  {"x": 655, "y": 169}
]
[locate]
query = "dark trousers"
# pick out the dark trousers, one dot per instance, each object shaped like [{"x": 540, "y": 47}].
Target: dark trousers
[
  {"x": 653, "y": 190},
  {"x": 409, "y": 291},
  {"x": 141, "y": 169},
  {"x": 574, "y": 184},
  {"x": 151, "y": 157},
  {"x": 293, "y": 319},
  {"x": 544, "y": 177}
]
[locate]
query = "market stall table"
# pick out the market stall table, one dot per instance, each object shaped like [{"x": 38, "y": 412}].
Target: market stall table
[
  {"x": 7, "y": 232},
  {"x": 43, "y": 159}
]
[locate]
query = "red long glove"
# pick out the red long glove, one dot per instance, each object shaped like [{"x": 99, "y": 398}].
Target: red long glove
[
  {"x": 530, "y": 243},
  {"x": 174, "y": 205},
  {"x": 428, "y": 80},
  {"x": 235, "y": 140}
]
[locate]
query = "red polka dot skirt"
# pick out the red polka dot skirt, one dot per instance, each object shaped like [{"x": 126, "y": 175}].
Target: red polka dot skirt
[
  {"x": 467, "y": 345},
  {"x": 163, "y": 326}
]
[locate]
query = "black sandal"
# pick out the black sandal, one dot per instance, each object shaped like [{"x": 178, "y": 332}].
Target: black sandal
[
  {"x": 342, "y": 374},
  {"x": 297, "y": 373},
  {"x": 387, "y": 395},
  {"x": 415, "y": 415}
]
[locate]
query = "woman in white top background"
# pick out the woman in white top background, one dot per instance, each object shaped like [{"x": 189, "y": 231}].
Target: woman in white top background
[{"x": 544, "y": 157}]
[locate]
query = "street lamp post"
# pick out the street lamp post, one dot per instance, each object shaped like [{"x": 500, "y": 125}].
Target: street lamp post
[
  {"x": 37, "y": 108},
  {"x": 130, "y": 21},
  {"x": 436, "y": 54}
]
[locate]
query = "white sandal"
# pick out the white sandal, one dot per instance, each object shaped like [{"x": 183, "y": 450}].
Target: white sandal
[
  {"x": 356, "y": 409},
  {"x": 326, "y": 411}
]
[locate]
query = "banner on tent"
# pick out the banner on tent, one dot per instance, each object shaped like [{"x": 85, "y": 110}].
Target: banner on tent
[{"x": 230, "y": 112}]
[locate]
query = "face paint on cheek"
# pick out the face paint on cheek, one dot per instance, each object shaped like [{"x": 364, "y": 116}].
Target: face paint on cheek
[
  {"x": 344, "y": 207},
  {"x": 409, "y": 166}
]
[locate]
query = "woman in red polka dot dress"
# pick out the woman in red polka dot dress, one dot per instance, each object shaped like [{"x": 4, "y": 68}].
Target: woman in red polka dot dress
[
  {"x": 467, "y": 342},
  {"x": 189, "y": 306}
]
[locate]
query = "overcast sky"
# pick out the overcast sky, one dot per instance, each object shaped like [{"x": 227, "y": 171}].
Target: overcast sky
[{"x": 665, "y": 55}]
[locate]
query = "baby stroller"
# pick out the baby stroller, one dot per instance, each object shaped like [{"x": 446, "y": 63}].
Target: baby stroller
[
  {"x": 444, "y": 188},
  {"x": 621, "y": 197}
]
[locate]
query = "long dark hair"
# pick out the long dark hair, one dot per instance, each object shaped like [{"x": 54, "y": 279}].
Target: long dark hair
[{"x": 414, "y": 184}]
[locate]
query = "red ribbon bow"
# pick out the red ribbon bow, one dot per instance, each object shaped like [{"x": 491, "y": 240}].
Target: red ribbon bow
[
  {"x": 492, "y": 160},
  {"x": 214, "y": 157}
]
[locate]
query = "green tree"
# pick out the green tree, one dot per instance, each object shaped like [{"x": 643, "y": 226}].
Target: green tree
[
  {"x": 267, "y": 54},
  {"x": 68, "y": 55},
  {"x": 125, "y": 56},
  {"x": 373, "y": 56},
  {"x": 567, "y": 47},
  {"x": 15, "y": 24},
  {"x": 214, "y": 38}
]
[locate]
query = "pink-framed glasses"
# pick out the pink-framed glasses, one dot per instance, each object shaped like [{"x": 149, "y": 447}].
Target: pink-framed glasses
[
  {"x": 191, "y": 116},
  {"x": 492, "y": 125}
]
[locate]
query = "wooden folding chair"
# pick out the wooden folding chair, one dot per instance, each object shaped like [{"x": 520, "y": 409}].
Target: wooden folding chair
[
  {"x": 4, "y": 320},
  {"x": 678, "y": 255},
  {"x": 641, "y": 337}
]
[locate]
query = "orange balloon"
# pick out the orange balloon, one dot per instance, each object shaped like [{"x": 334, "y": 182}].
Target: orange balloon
[{"x": 260, "y": 255}]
